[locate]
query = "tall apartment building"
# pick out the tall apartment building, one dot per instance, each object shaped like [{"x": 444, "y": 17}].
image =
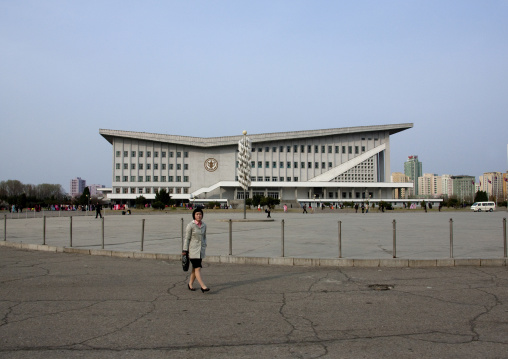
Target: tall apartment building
[
  {"x": 492, "y": 183},
  {"x": 413, "y": 169},
  {"x": 77, "y": 186},
  {"x": 430, "y": 185},
  {"x": 399, "y": 177},
  {"x": 447, "y": 185},
  {"x": 95, "y": 190},
  {"x": 464, "y": 187}
]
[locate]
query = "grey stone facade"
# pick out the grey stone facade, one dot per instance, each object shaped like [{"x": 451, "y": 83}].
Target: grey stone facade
[{"x": 334, "y": 165}]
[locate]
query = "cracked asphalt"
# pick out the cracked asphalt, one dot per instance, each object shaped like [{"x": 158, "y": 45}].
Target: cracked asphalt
[{"x": 65, "y": 305}]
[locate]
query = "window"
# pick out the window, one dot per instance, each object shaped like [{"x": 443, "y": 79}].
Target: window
[
  {"x": 178, "y": 154},
  {"x": 148, "y": 166},
  {"x": 117, "y": 190},
  {"x": 125, "y": 166},
  {"x": 140, "y": 178},
  {"x": 336, "y": 149},
  {"x": 302, "y": 148},
  {"x": 178, "y": 178},
  {"x": 363, "y": 148},
  {"x": 309, "y": 148},
  {"x": 316, "y": 165},
  {"x": 267, "y": 164},
  {"x": 322, "y": 149},
  {"x": 267, "y": 179},
  {"x": 260, "y": 179},
  {"x": 156, "y": 154},
  {"x": 170, "y": 166},
  {"x": 350, "y": 149},
  {"x": 178, "y": 166},
  {"x": 117, "y": 179},
  {"x": 170, "y": 178},
  {"x": 140, "y": 154},
  {"x": 148, "y": 179},
  {"x": 330, "y": 164},
  {"x": 171, "y": 154},
  {"x": 147, "y": 190},
  {"x": 267, "y": 149},
  {"x": 186, "y": 178},
  {"x": 295, "y": 165},
  {"x": 295, "y": 148},
  {"x": 125, "y": 190},
  {"x": 163, "y": 153},
  {"x": 252, "y": 164},
  {"x": 140, "y": 166},
  {"x": 156, "y": 178},
  {"x": 186, "y": 154},
  {"x": 274, "y": 179},
  {"x": 185, "y": 166},
  {"x": 171, "y": 191},
  {"x": 260, "y": 149},
  {"x": 316, "y": 149},
  {"x": 163, "y": 178},
  {"x": 148, "y": 154},
  {"x": 274, "y": 149},
  {"x": 126, "y": 178},
  {"x": 281, "y": 179},
  {"x": 343, "y": 149},
  {"x": 329, "y": 149},
  {"x": 133, "y": 190},
  {"x": 295, "y": 179},
  {"x": 309, "y": 164},
  {"x": 155, "y": 166},
  {"x": 302, "y": 164},
  {"x": 281, "y": 149},
  {"x": 133, "y": 178},
  {"x": 356, "y": 150},
  {"x": 288, "y": 179},
  {"x": 274, "y": 164},
  {"x": 281, "y": 164},
  {"x": 288, "y": 164},
  {"x": 288, "y": 148},
  {"x": 260, "y": 164},
  {"x": 323, "y": 165},
  {"x": 126, "y": 153},
  {"x": 117, "y": 166},
  {"x": 117, "y": 153},
  {"x": 133, "y": 154}
]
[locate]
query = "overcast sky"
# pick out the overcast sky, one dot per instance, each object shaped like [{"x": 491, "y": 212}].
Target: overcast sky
[{"x": 216, "y": 68}]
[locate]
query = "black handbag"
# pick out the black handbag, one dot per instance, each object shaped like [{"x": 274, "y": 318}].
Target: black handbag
[{"x": 185, "y": 261}]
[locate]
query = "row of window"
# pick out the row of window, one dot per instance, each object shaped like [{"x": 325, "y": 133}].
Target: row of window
[
  {"x": 149, "y": 166},
  {"x": 288, "y": 164},
  {"x": 149, "y": 178},
  {"x": 133, "y": 190},
  {"x": 309, "y": 149},
  {"x": 149, "y": 154}
]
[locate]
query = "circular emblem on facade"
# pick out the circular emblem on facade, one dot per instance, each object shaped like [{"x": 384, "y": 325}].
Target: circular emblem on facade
[{"x": 211, "y": 164}]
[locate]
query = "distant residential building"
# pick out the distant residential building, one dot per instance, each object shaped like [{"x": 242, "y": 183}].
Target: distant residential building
[
  {"x": 447, "y": 185},
  {"x": 492, "y": 183},
  {"x": 413, "y": 169},
  {"x": 399, "y": 177},
  {"x": 95, "y": 190},
  {"x": 77, "y": 186},
  {"x": 430, "y": 185},
  {"x": 464, "y": 187},
  {"x": 505, "y": 185}
]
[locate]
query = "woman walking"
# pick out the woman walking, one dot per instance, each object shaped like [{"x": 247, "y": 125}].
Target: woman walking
[{"x": 195, "y": 245}]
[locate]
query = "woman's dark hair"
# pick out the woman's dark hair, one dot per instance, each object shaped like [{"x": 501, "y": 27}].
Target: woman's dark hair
[{"x": 196, "y": 211}]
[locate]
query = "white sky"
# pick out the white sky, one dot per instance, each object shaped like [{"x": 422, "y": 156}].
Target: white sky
[{"x": 216, "y": 68}]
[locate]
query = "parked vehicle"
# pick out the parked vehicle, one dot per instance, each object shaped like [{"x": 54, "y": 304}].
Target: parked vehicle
[{"x": 483, "y": 207}]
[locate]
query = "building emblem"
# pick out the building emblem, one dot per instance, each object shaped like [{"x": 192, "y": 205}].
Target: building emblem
[{"x": 211, "y": 164}]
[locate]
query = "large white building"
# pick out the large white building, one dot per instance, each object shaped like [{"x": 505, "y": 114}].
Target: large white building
[{"x": 331, "y": 165}]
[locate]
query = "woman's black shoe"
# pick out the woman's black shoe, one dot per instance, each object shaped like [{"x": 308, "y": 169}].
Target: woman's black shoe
[
  {"x": 205, "y": 290},
  {"x": 188, "y": 286}
]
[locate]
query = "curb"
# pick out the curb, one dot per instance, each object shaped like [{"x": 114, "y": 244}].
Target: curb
[{"x": 284, "y": 261}]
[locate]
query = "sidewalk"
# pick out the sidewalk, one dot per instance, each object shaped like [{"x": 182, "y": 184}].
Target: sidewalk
[{"x": 65, "y": 306}]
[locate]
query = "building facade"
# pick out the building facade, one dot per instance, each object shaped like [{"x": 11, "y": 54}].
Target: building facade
[
  {"x": 77, "y": 186},
  {"x": 493, "y": 184},
  {"x": 334, "y": 165},
  {"x": 464, "y": 188},
  {"x": 399, "y": 177},
  {"x": 413, "y": 169}
]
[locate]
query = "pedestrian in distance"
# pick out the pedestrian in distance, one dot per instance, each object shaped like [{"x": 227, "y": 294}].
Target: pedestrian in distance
[
  {"x": 268, "y": 211},
  {"x": 195, "y": 246},
  {"x": 304, "y": 208},
  {"x": 98, "y": 208}
]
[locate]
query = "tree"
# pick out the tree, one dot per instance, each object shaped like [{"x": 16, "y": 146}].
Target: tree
[
  {"x": 481, "y": 196},
  {"x": 163, "y": 197},
  {"x": 85, "y": 197},
  {"x": 140, "y": 202}
]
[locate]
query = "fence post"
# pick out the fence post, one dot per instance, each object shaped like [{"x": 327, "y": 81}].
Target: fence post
[
  {"x": 282, "y": 238},
  {"x": 142, "y": 233},
  {"x": 451, "y": 238},
  {"x": 340, "y": 239},
  {"x": 70, "y": 231},
  {"x": 44, "y": 230},
  {"x": 394, "y": 239},
  {"x": 181, "y": 220},
  {"x": 102, "y": 225},
  {"x": 504, "y": 237},
  {"x": 230, "y": 237},
  {"x": 5, "y": 227}
]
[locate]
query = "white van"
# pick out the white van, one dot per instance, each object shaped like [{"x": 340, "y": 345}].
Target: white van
[{"x": 483, "y": 207}]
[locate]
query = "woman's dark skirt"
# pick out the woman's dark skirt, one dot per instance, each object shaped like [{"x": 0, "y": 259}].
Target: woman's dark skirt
[{"x": 196, "y": 262}]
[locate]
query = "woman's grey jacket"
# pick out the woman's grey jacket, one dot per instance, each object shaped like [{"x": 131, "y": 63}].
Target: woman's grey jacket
[{"x": 195, "y": 240}]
